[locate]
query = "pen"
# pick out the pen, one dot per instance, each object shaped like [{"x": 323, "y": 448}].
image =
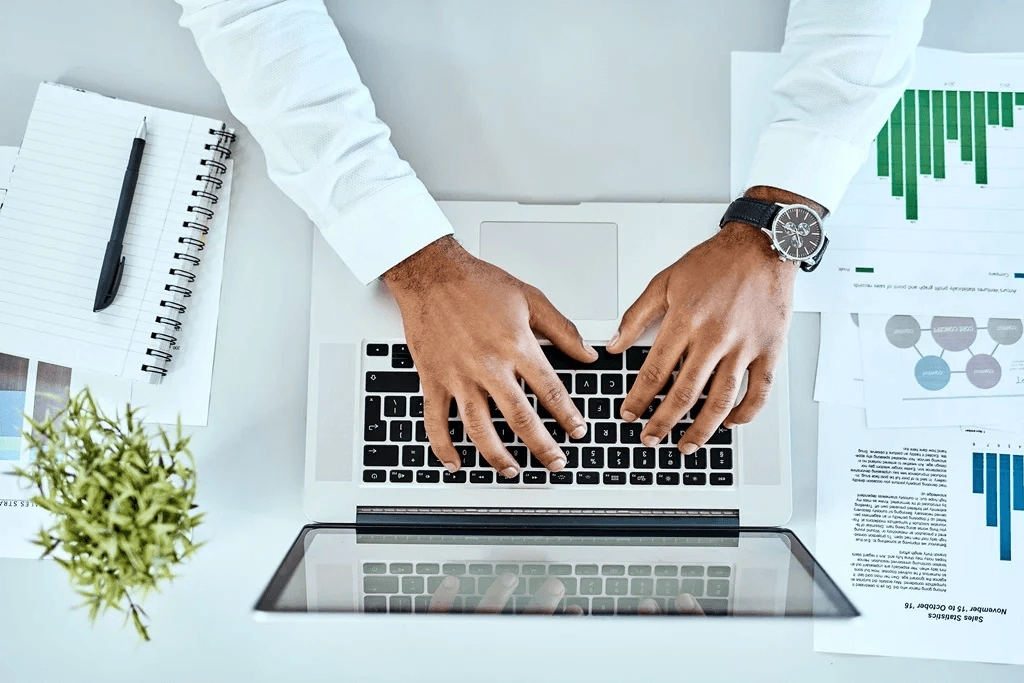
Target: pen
[{"x": 113, "y": 262}]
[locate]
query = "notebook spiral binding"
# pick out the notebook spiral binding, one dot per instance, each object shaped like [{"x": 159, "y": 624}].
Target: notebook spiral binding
[{"x": 183, "y": 273}]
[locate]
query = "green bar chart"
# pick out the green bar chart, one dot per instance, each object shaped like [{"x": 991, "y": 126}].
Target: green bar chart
[{"x": 912, "y": 143}]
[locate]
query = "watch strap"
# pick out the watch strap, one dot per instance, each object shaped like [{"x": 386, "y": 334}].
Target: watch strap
[
  {"x": 754, "y": 212},
  {"x": 808, "y": 265}
]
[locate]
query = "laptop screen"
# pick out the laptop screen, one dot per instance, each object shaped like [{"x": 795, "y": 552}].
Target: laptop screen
[{"x": 343, "y": 569}]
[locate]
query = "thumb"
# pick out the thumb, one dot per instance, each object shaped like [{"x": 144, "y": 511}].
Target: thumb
[
  {"x": 559, "y": 330},
  {"x": 645, "y": 311}
]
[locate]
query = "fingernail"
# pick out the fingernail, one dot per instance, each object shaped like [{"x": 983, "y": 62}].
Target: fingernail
[
  {"x": 509, "y": 472},
  {"x": 688, "y": 448},
  {"x": 729, "y": 425},
  {"x": 509, "y": 580},
  {"x": 450, "y": 582},
  {"x": 627, "y": 416},
  {"x": 451, "y": 467},
  {"x": 579, "y": 432},
  {"x": 650, "y": 440},
  {"x": 557, "y": 465},
  {"x": 686, "y": 601},
  {"x": 590, "y": 349},
  {"x": 615, "y": 338}
]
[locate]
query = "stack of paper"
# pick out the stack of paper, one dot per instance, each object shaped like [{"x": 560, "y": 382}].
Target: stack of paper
[{"x": 920, "y": 377}]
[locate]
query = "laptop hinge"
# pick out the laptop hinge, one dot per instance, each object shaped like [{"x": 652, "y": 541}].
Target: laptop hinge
[{"x": 546, "y": 518}]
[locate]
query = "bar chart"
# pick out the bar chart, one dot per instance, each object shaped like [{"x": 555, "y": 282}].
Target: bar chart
[
  {"x": 913, "y": 142},
  {"x": 1000, "y": 478},
  {"x": 28, "y": 387}
]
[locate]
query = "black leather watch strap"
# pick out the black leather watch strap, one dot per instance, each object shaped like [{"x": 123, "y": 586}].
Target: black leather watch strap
[{"x": 754, "y": 212}]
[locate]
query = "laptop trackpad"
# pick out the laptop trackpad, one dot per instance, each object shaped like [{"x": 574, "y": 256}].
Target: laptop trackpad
[{"x": 575, "y": 264}]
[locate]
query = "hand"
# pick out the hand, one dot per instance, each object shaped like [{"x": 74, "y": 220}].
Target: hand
[
  {"x": 469, "y": 326},
  {"x": 497, "y": 596},
  {"x": 725, "y": 308},
  {"x": 684, "y": 604}
]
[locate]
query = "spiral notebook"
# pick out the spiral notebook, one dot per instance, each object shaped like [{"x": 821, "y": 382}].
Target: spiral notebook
[{"x": 56, "y": 220}]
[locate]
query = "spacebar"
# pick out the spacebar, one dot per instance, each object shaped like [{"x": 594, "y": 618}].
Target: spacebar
[{"x": 393, "y": 382}]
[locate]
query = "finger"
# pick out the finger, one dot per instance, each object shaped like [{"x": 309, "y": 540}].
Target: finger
[
  {"x": 691, "y": 380},
  {"x": 649, "y": 307},
  {"x": 574, "y": 610},
  {"x": 556, "y": 328},
  {"x": 648, "y": 606},
  {"x": 476, "y": 416},
  {"x": 436, "y": 403},
  {"x": 525, "y": 422},
  {"x": 656, "y": 371},
  {"x": 687, "y": 604},
  {"x": 444, "y": 596},
  {"x": 721, "y": 399},
  {"x": 496, "y": 597},
  {"x": 759, "y": 387},
  {"x": 550, "y": 391},
  {"x": 547, "y": 598}
]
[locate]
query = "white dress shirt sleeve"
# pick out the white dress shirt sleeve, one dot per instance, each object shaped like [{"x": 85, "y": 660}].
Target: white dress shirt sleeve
[
  {"x": 287, "y": 75},
  {"x": 851, "y": 61}
]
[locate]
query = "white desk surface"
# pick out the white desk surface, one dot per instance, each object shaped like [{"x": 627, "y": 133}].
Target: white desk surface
[{"x": 560, "y": 100}]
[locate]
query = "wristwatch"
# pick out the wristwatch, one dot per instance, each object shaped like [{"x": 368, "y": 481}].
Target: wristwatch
[{"x": 794, "y": 229}]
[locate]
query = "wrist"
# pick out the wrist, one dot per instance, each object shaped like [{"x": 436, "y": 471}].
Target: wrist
[
  {"x": 753, "y": 243},
  {"x": 774, "y": 194},
  {"x": 429, "y": 265}
]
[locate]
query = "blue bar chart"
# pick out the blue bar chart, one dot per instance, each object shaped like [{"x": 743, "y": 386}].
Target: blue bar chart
[{"x": 999, "y": 477}]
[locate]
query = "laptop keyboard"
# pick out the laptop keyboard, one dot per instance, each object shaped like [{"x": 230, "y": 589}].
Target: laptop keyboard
[
  {"x": 595, "y": 589},
  {"x": 396, "y": 448}
]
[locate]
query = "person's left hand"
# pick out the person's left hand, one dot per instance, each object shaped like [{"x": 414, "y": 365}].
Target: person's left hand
[{"x": 725, "y": 308}]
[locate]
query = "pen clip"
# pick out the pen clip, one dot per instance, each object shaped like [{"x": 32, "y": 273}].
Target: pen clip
[{"x": 108, "y": 296}]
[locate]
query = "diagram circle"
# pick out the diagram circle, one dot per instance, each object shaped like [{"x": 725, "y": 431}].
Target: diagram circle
[
  {"x": 954, "y": 334},
  {"x": 932, "y": 373},
  {"x": 1005, "y": 331},
  {"x": 983, "y": 371},
  {"x": 903, "y": 331}
]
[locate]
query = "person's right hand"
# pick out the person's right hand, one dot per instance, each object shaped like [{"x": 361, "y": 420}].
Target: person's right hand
[{"x": 470, "y": 329}]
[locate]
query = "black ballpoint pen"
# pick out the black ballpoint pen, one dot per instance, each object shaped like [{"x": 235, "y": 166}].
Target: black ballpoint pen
[{"x": 113, "y": 262}]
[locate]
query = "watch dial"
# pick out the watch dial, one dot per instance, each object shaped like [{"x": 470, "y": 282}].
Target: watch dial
[{"x": 797, "y": 232}]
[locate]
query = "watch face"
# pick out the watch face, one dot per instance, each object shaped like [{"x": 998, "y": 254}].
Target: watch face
[{"x": 797, "y": 233}]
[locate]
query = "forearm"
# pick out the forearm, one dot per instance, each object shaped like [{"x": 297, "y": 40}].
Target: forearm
[
  {"x": 287, "y": 75},
  {"x": 851, "y": 61}
]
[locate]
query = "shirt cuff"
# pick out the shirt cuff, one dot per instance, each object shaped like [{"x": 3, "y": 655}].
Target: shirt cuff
[
  {"x": 386, "y": 228},
  {"x": 806, "y": 162}
]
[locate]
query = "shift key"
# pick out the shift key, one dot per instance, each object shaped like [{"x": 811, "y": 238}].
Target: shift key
[{"x": 393, "y": 382}]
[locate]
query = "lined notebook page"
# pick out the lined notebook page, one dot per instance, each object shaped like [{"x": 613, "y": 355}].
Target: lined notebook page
[{"x": 57, "y": 218}]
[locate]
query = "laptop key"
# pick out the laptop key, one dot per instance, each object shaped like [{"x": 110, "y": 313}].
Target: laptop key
[
  {"x": 376, "y": 349},
  {"x": 467, "y": 454},
  {"x": 401, "y": 430},
  {"x": 421, "y": 432},
  {"x": 579, "y": 604},
  {"x": 560, "y": 361},
  {"x": 572, "y": 457},
  {"x": 374, "y": 476},
  {"x": 560, "y": 570},
  {"x": 505, "y": 432},
  {"x": 669, "y": 458},
  {"x": 415, "y": 406},
  {"x": 481, "y": 476},
  {"x": 375, "y": 430},
  {"x": 678, "y": 431},
  {"x": 455, "y": 431},
  {"x": 616, "y": 586},
  {"x": 694, "y": 587},
  {"x": 587, "y": 569},
  {"x": 401, "y": 568},
  {"x": 695, "y": 410},
  {"x": 578, "y": 401},
  {"x": 566, "y": 379},
  {"x": 719, "y": 572},
  {"x": 372, "y": 408},
  {"x": 643, "y": 458},
  {"x": 427, "y": 476},
  {"x": 667, "y": 478},
  {"x": 722, "y": 436},
  {"x": 718, "y": 588},
  {"x": 375, "y": 603},
  {"x": 618, "y": 458},
  {"x": 642, "y": 587},
  {"x": 599, "y": 408},
  {"x": 593, "y": 458},
  {"x": 586, "y": 383},
  {"x": 413, "y": 456},
  {"x": 454, "y": 477},
  {"x": 587, "y": 477},
  {"x": 380, "y": 455},
  {"x": 714, "y": 607},
  {"x": 721, "y": 478},
  {"x": 428, "y": 568},
  {"x": 535, "y": 477},
  {"x": 401, "y": 476},
  {"x": 639, "y": 570},
  {"x": 480, "y": 569},
  {"x": 613, "y": 478},
  {"x": 520, "y": 454},
  {"x": 666, "y": 570},
  {"x": 605, "y": 432},
  {"x": 392, "y": 382},
  {"x": 561, "y": 477},
  {"x": 694, "y": 478},
  {"x": 666, "y": 587},
  {"x": 649, "y": 410},
  {"x": 585, "y": 438},
  {"x": 453, "y": 409},
  {"x": 556, "y": 431},
  {"x": 432, "y": 459},
  {"x": 641, "y": 478},
  {"x": 453, "y": 569},
  {"x": 629, "y": 432},
  {"x": 380, "y": 584},
  {"x": 588, "y": 586},
  {"x": 534, "y": 570},
  {"x": 394, "y": 406},
  {"x": 617, "y": 408},
  {"x": 421, "y": 604},
  {"x": 499, "y": 479},
  {"x": 375, "y": 568},
  {"x": 611, "y": 384},
  {"x": 636, "y": 356},
  {"x": 721, "y": 458},
  {"x": 602, "y": 606},
  {"x": 697, "y": 460},
  {"x": 691, "y": 570}
]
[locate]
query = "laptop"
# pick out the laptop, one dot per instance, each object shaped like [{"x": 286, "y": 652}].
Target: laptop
[{"x": 623, "y": 529}]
